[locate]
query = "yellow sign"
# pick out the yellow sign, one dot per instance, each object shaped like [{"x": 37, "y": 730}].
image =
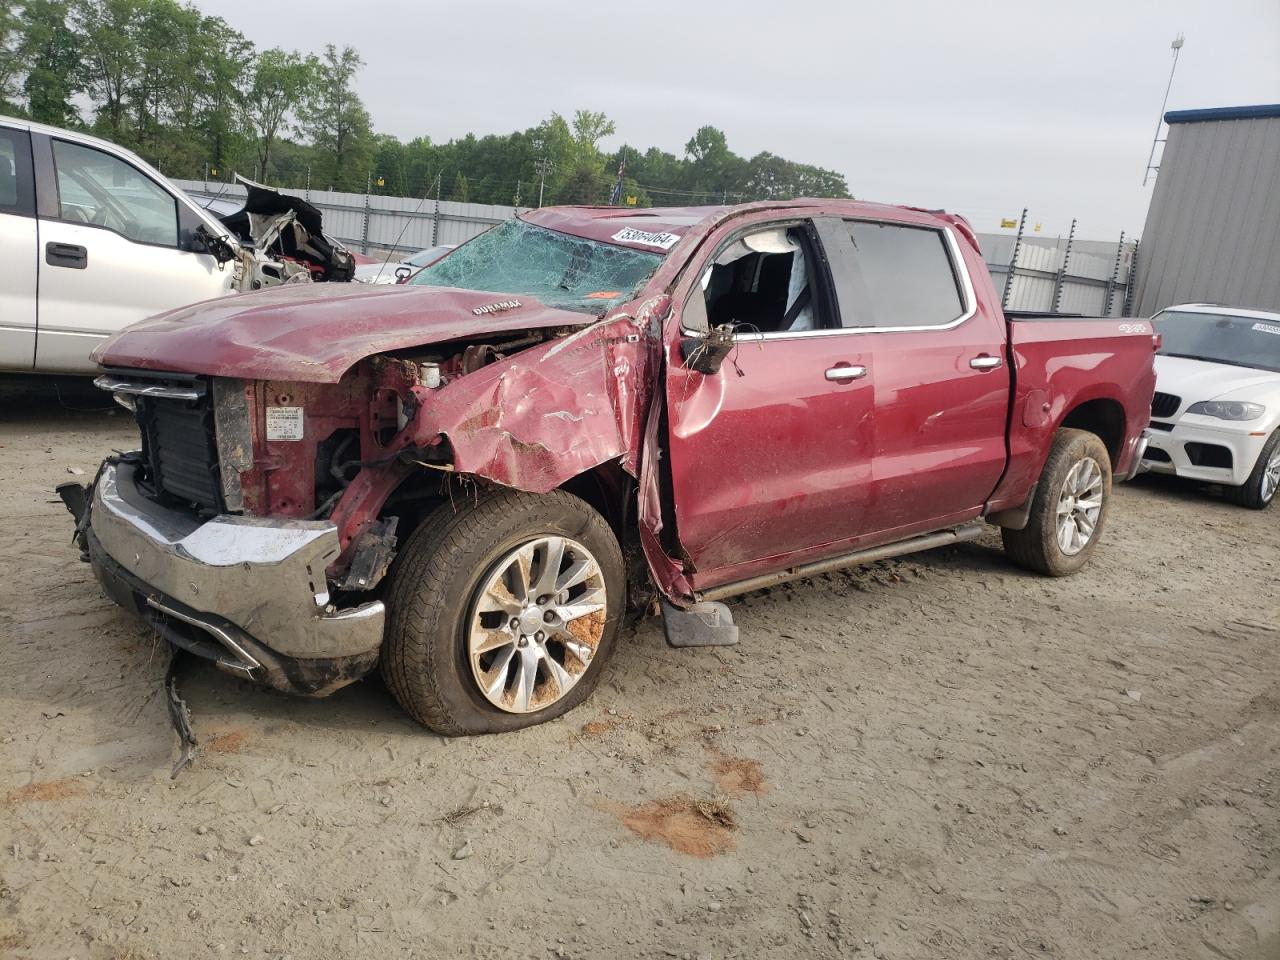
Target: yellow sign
[
  {"x": 213, "y": 172},
  {"x": 380, "y": 182},
  {"x": 631, "y": 201},
  {"x": 1037, "y": 228},
  {"x": 1008, "y": 224}
]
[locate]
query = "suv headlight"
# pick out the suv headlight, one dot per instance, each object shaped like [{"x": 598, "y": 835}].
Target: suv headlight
[{"x": 1228, "y": 409}]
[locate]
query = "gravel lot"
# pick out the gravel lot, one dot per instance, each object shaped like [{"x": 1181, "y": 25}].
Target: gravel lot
[{"x": 935, "y": 757}]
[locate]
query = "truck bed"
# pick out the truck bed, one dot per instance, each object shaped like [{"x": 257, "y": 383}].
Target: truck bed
[{"x": 1058, "y": 364}]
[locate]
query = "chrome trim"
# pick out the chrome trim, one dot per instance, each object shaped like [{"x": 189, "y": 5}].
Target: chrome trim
[
  {"x": 960, "y": 534},
  {"x": 265, "y": 577},
  {"x": 969, "y": 298},
  {"x": 247, "y": 663},
  {"x": 1136, "y": 466},
  {"x": 66, "y": 331},
  {"x": 985, "y": 363},
  {"x": 846, "y": 373},
  {"x": 143, "y": 389}
]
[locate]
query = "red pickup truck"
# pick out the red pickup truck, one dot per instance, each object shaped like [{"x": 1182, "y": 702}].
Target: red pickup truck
[{"x": 469, "y": 478}]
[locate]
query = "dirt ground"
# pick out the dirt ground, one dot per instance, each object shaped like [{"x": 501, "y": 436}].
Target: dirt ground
[{"x": 935, "y": 757}]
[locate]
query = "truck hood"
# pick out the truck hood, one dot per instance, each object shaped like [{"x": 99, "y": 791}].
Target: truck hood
[
  {"x": 314, "y": 333},
  {"x": 1195, "y": 380}
]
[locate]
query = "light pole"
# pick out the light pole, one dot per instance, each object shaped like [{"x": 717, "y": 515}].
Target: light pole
[
  {"x": 1175, "y": 47},
  {"x": 543, "y": 166}
]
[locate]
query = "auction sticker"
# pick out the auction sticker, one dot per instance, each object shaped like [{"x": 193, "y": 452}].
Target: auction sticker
[
  {"x": 631, "y": 235},
  {"x": 284, "y": 423},
  {"x": 1267, "y": 328}
]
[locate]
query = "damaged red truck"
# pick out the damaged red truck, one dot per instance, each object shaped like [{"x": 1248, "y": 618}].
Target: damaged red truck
[{"x": 470, "y": 477}]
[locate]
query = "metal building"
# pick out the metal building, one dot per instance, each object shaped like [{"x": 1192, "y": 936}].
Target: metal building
[{"x": 1213, "y": 227}]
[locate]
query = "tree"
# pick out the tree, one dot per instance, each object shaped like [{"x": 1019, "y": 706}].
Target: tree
[
  {"x": 335, "y": 120},
  {"x": 585, "y": 184},
  {"x": 707, "y": 146},
  {"x": 189, "y": 92},
  {"x": 713, "y": 168},
  {"x": 389, "y": 166},
  {"x": 279, "y": 82},
  {"x": 51, "y": 52},
  {"x": 589, "y": 128},
  {"x": 461, "y": 190},
  {"x": 11, "y": 65},
  {"x": 110, "y": 59},
  {"x": 222, "y": 65}
]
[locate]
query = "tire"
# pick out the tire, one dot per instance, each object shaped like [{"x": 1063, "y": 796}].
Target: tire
[
  {"x": 1260, "y": 489},
  {"x": 1039, "y": 546},
  {"x": 452, "y": 568}
]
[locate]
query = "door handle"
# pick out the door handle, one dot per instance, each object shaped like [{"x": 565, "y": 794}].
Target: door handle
[
  {"x": 984, "y": 362},
  {"x": 66, "y": 255},
  {"x": 846, "y": 373}
]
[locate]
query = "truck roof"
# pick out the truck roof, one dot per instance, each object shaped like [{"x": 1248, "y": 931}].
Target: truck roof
[{"x": 659, "y": 228}]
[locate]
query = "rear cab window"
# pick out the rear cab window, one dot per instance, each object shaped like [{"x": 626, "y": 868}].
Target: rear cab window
[{"x": 893, "y": 275}]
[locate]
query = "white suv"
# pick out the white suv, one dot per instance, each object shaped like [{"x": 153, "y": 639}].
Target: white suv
[
  {"x": 93, "y": 239},
  {"x": 1216, "y": 412}
]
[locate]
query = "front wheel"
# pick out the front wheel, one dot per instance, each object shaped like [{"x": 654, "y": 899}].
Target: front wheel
[
  {"x": 502, "y": 614},
  {"x": 1260, "y": 489},
  {"x": 1069, "y": 509}
]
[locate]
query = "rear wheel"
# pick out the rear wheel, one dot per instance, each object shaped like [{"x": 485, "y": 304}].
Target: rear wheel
[
  {"x": 503, "y": 614},
  {"x": 1069, "y": 509},
  {"x": 1260, "y": 489}
]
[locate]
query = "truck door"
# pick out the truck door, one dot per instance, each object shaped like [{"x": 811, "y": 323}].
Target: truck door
[
  {"x": 772, "y": 454},
  {"x": 109, "y": 253},
  {"x": 17, "y": 251},
  {"x": 942, "y": 380}
]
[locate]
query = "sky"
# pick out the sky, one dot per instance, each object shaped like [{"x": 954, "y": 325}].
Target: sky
[{"x": 981, "y": 108}]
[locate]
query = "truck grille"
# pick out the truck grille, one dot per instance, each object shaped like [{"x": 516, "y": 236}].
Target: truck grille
[
  {"x": 175, "y": 413},
  {"x": 182, "y": 451},
  {"x": 1165, "y": 404}
]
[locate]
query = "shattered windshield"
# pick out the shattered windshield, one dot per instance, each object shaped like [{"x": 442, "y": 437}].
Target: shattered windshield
[{"x": 554, "y": 268}]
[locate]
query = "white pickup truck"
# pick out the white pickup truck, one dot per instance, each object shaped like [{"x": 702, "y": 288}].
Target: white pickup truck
[{"x": 93, "y": 239}]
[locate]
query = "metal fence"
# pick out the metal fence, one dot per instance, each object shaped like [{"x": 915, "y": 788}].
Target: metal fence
[
  {"x": 1063, "y": 275},
  {"x": 371, "y": 223}
]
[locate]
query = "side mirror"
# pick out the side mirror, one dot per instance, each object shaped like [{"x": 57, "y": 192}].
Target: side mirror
[
  {"x": 705, "y": 353},
  {"x": 202, "y": 241}
]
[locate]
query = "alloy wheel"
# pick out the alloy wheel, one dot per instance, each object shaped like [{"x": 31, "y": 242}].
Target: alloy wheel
[
  {"x": 535, "y": 624},
  {"x": 1271, "y": 477},
  {"x": 1079, "y": 506}
]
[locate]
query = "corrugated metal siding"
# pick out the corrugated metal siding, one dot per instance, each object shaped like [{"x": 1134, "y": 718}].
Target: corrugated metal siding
[{"x": 1213, "y": 228}]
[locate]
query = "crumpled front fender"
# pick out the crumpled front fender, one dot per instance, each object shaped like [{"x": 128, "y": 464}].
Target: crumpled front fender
[{"x": 542, "y": 417}]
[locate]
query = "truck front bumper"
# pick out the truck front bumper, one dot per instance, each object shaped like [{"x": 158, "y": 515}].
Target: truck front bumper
[{"x": 249, "y": 594}]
